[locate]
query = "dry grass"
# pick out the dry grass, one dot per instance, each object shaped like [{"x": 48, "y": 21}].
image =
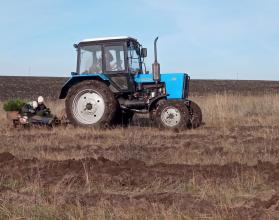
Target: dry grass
[{"x": 238, "y": 130}]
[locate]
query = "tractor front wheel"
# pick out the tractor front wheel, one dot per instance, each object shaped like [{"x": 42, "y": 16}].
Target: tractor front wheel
[
  {"x": 172, "y": 115},
  {"x": 91, "y": 104}
]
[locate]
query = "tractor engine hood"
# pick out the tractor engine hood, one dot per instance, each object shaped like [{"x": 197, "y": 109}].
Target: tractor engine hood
[{"x": 175, "y": 83}]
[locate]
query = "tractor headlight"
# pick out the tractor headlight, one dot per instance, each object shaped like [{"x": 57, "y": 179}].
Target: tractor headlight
[{"x": 162, "y": 90}]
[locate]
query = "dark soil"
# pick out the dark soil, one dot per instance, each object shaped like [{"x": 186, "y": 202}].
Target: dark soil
[
  {"x": 30, "y": 87},
  {"x": 88, "y": 181}
]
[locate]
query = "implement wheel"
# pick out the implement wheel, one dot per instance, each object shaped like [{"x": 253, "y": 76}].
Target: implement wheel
[
  {"x": 91, "y": 104},
  {"x": 172, "y": 115}
]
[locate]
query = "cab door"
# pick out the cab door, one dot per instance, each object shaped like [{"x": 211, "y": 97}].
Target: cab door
[{"x": 115, "y": 66}]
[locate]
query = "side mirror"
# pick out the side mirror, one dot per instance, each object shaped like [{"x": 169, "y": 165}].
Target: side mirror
[
  {"x": 143, "y": 52},
  {"x": 75, "y": 46}
]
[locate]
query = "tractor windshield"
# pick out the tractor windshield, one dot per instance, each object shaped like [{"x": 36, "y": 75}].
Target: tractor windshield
[
  {"x": 90, "y": 59},
  {"x": 134, "y": 57}
]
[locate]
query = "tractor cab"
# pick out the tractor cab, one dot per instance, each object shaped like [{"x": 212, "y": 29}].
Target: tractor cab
[{"x": 118, "y": 58}]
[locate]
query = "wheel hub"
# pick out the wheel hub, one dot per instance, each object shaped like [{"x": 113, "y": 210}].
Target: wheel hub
[
  {"x": 88, "y": 107},
  {"x": 171, "y": 116}
]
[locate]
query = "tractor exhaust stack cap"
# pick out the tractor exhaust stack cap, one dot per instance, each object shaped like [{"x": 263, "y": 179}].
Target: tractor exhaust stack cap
[{"x": 156, "y": 65}]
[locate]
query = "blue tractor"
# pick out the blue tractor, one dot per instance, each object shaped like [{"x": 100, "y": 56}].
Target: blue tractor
[{"x": 111, "y": 84}]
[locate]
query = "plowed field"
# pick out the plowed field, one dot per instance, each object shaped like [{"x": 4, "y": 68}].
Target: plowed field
[
  {"x": 30, "y": 87},
  {"x": 226, "y": 169}
]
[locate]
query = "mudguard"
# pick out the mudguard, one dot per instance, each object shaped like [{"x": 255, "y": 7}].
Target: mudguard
[
  {"x": 154, "y": 101},
  {"x": 78, "y": 78}
]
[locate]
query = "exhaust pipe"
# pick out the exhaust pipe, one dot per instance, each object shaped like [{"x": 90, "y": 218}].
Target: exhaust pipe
[{"x": 156, "y": 65}]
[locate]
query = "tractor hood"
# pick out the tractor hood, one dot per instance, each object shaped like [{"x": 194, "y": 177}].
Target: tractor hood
[{"x": 175, "y": 83}]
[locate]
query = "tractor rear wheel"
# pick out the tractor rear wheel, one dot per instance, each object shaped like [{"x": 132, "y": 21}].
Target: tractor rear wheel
[
  {"x": 195, "y": 115},
  {"x": 91, "y": 104},
  {"x": 172, "y": 115}
]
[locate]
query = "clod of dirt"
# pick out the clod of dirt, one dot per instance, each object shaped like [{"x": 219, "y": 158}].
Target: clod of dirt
[
  {"x": 6, "y": 156},
  {"x": 271, "y": 204}
]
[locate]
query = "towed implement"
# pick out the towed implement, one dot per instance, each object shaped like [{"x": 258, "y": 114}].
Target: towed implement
[
  {"x": 43, "y": 119},
  {"x": 111, "y": 84}
]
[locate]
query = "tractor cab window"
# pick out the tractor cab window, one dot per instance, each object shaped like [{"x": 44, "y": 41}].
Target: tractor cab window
[
  {"x": 114, "y": 57},
  {"x": 90, "y": 59},
  {"x": 134, "y": 58}
]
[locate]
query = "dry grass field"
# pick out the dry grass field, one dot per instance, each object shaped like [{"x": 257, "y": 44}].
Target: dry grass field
[{"x": 226, "y": 169}]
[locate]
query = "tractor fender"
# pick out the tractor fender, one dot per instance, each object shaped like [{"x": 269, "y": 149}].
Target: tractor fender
[
  {"x": 186, "y": 102},
  {"x": 79, "y": 78},
  {"x": 155, "y": 100}
]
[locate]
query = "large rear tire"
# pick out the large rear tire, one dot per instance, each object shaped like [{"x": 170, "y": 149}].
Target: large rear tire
[
  {"x": 172, "y": 115},
  {"x": 91, "y": 104},
  {"x": 195, "y": 115}
]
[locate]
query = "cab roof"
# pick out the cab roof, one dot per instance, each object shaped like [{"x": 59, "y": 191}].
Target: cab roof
[{"x": 107, "y": 39}]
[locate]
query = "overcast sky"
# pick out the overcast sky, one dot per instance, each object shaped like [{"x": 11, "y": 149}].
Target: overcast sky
[{"x": 220, "y": 39}]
